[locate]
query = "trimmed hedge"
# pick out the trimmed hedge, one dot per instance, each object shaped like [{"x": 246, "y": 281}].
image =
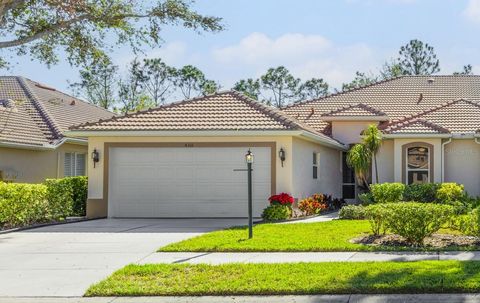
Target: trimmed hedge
[{"x": 26, "y": 204}]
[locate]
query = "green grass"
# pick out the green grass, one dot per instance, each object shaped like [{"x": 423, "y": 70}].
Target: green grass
[
  {"x": 291, "y": 278},
  {"x": 321, "y": 236}
]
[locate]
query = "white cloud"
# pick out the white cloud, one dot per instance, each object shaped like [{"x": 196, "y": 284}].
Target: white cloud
[
  {"x": 472, "y": 11},
  {"x": 306, "y": 56}
]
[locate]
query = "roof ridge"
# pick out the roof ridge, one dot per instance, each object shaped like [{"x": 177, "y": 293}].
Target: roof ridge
[
  {"x": 361, "y": 105},
  {"x": 405, "y": 123},
  {"x": 51, "y": 123},
  {"x": 337, "y": 93}
]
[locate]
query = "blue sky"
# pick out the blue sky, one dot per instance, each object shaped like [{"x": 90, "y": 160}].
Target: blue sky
[{"x": 324, "y": 38}]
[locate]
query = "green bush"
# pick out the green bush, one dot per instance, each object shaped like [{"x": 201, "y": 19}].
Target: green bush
[
  {"x": 377, "y": 215},
  {"x": 415, "y": 221},
  {"x": 366, "y": 198},
  {"x": 449, "y": 192},
  {"x": 352, "y": 212},
  {"x": 59, "y": 197},
  {"x": 426, "y": 192},
  {"x": 22, "y": 204},
  {"x": 276, "y": 212},
  {"x": 387, "y": 192},
  {"x": 469, "y": 224},
  {"x": 73, "y": 192}
]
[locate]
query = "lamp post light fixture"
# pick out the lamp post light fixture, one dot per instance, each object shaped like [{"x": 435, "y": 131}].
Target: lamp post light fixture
[
  {"x": 281, "y": 155},
  {"x": 95, "y": 157},
  {"x": 249, "y": 159}
]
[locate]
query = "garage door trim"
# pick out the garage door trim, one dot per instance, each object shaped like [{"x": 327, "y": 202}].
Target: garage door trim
[{"x": 108, "y": 145}]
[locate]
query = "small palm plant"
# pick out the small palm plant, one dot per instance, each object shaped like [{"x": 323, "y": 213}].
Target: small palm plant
[
  {"x": 373, "y": 141},
  {"x": 360, "y": 155},
  {"x": 359, "y": 158}
]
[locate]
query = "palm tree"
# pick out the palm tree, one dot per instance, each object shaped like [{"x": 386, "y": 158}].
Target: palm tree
[
  {"x": 373, "y": 141},
  {"x": 359, "y": 158}
]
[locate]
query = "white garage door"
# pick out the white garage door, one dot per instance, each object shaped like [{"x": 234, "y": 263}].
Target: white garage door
[{"x": 185, "y": 182}]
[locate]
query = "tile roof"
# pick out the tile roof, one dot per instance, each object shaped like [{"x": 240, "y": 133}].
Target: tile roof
[
  {"x": 355, "y": 110},
  {"x": 37, "y": 115},
  {"x": 222, "y": 111},
  {"x": 398, "y": 98},
  {"x": 415, "y": 126}
]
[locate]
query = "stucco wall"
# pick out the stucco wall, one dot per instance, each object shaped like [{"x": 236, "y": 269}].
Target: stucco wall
[
  {"x": 329, "y": 173},
  {"x": 34, "y": 166},
  {"x": 385, "y": 163},
  {"x": 462, "y": 164},
  {"x": 348, "y": 132},
  {"x": 437, "y": 157}
]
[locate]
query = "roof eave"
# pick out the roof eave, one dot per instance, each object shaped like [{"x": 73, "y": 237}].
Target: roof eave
[
  {"x": 178, "y": 133},
  {"x": 77, "y": 141},
  {"x": 322, "y": 140}
]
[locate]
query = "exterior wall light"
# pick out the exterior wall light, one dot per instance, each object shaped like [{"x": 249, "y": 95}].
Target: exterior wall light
[
  {"x": 281, "y": 155},
  {"x": 249, "y": 160},
  {"x": 95, "y": 157}
]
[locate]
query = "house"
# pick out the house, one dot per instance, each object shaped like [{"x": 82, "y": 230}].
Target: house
[
  {"x": 186, "y": 159},
  {"x": 33, "y": 119}
]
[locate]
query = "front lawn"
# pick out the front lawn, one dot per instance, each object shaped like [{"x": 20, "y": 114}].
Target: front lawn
[
  {"x": 291, "y": 278},
  {"x": 322, "y": 236}
]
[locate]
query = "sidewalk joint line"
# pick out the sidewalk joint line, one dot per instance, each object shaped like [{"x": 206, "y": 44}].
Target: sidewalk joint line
[{"x": 191, "y": 258}]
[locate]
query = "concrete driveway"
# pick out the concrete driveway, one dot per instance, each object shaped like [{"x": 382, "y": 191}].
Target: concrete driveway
[{"x": 64, "y": 260}]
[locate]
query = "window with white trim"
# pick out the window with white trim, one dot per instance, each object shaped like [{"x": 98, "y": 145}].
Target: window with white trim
[
  {"x": 74, "y": 164},
  {"x": 316, "y": 162},
  {"x": 418, "y": 165}
]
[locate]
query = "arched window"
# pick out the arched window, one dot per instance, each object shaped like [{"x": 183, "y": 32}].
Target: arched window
[{"x": 418, "y": 163}]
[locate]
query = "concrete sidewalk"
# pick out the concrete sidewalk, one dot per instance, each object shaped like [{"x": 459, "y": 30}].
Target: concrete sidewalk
[
  {"x": 292, "y": 257},
  {"x": 393, "y": 298}
]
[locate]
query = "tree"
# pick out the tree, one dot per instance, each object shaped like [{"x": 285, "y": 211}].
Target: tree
[
  {"x": 314, "y": 88},
  {"x": 158, "y": 79},
  {"x": 43, "y": 28},
  {"x": 418, "y": 58},
  {"x": 372, "y": 139},
  {"x": 249, "y": 87},
  {"x": 192, "y": 82},
  {"x": 97, "y": 84},
  {"x": 467, "y": 70},
  {"x": 281, "y": 86},
  {"x": 391, "y": 70},
  {"x": 360, "y": 80},
  {"x": 131, "y": 89}
]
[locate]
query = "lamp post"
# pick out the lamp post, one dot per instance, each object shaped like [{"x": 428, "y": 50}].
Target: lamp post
[{"x": 249, "y": 160}]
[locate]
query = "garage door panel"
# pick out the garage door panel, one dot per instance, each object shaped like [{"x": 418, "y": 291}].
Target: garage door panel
[{"x": 185, "y": 182}]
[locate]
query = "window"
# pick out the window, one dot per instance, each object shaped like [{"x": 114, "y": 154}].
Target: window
[
  {"x": 418, "y": 165},
  {"x": 74, "y": 164},
  {"x": 348, "y": 179},
  {"x": 316, "y": 161}
]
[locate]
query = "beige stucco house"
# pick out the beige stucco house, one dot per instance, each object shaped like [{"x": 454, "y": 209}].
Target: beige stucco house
[
  {"x": 33, "y": 119},
  {"x": 186, "y": 159}
]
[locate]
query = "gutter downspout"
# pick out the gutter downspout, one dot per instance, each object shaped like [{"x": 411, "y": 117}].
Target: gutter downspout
[{"x": 443, "y": 158}]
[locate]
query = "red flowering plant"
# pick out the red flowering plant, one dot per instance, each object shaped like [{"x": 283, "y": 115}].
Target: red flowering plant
[{"x": 281, "y": 199}]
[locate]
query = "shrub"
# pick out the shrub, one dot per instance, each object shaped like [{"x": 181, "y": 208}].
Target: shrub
[
  {"x": 387, "y": 192},
  {"x": 426, "y": 192},
  {"x": 312, "y": 205},
  {"x": 377, "y": 215},
  {"x": 449, "y": 192},
  {"x": 59, "y": 197},
  {"x": 281, "y": 199},
  {"x": 415, "y": 221},
  {"x": 469, "y": 224},
  {"x": 366, "y": 198},
  {"x": 276, "y": 212},
  {"x": 74, "y": 191},
  {"x": 352, "y": 212},
  {"x": 22, "y": 204}
]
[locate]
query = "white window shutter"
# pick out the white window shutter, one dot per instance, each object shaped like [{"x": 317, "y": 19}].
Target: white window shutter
[
  {"x": 80, "y": 165},
  {"x": 68, "y": 165}
]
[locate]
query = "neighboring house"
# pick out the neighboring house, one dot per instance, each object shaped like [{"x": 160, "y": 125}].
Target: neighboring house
[
  {"x": 33, "y": 119},
  {"x": 182, "y": 160}
]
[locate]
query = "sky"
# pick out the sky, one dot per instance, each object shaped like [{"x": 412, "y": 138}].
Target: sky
[{"x": 329, "y": 39}]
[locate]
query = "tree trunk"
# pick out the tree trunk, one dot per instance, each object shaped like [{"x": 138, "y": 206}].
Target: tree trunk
[{"x": 376, "y": 168}]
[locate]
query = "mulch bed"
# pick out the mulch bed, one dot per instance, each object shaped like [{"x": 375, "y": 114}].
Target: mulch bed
[{"x": 435, "y": 241}]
